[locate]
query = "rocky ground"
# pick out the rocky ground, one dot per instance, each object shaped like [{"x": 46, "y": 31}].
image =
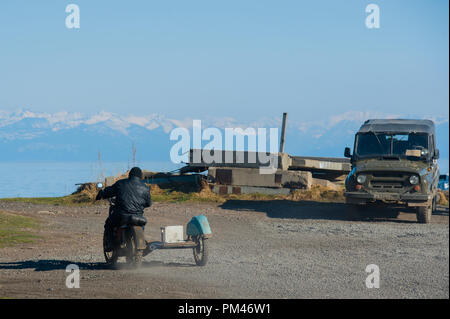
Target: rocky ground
[{"x": 271, "y": 249}]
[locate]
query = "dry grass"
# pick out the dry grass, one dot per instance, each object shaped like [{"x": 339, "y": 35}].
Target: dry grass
[
  {"x": 254, "y": 196},
  {"x": 200, "y": 193},
  {"x": 206, "y": 194},
  {"x": 443, "y": 198},
  {"x": 318, "y": 193},
  {"x": 155, "y": 190},
  {"x": 85, "y": 193}
]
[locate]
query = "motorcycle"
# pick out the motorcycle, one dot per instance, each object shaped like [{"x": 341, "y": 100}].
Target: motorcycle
[{"x": 128, "y": 239}]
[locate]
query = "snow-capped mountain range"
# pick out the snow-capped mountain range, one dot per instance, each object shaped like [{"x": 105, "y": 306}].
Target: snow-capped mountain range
[{"x": 67, "y": 136}]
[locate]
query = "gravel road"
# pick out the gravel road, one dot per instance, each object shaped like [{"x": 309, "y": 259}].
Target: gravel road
[{"x": 274, "y": 249}]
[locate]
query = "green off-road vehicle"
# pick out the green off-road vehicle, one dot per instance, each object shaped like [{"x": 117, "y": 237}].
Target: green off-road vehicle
[{"x": 394, "y": 163}]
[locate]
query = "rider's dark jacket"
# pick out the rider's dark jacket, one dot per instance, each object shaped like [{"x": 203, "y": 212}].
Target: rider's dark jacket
[{"x": 132, "y": 195}]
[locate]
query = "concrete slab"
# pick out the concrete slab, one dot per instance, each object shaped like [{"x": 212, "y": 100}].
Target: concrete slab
[
  {"x": 319, "y": 164},
  {"x": 242, "y": 159},
  {"x": 252, "y": 177},
  {"x": 228, "y": 189}
]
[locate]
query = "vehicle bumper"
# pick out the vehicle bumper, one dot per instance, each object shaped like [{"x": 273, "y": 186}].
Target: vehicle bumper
[{"x": 409, "y": 199}]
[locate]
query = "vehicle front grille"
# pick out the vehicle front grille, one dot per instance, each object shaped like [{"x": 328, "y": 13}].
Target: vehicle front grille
[
  {"x": 386, "y": 184},
  {"x": 388, "y": 175},
  {"x": 388, "y": 181}
]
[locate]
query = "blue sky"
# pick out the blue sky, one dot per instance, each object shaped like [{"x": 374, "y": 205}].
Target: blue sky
[{"x": 243, "y": 59}]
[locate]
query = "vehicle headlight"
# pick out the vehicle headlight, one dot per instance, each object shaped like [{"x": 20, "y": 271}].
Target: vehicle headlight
[
  {"x": 361, "y": 179},
  {"x": 414, "y": 180}
]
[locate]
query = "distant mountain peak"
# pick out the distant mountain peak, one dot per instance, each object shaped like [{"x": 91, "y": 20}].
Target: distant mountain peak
[{"x": 65, "y": 120}]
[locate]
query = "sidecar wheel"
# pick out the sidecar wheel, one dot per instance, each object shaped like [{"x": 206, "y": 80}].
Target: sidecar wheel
[{"x": 200, "y": 252}]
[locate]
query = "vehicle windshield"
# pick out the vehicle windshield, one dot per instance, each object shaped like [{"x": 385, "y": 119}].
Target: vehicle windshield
[{"x": 391, "y": 144}]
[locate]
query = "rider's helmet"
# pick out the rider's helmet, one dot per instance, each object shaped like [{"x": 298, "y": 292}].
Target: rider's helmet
[{"x": 135, "y": 171}]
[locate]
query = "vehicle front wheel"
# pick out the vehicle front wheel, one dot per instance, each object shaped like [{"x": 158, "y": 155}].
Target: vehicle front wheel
[{"x": 424, "y": 214}]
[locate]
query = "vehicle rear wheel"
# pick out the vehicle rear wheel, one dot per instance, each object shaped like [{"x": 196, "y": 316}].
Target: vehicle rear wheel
[
  {"x": 200, "y": 252},
  {"x": 424, "y": 214},
  {"x": 435, "y": 201}
]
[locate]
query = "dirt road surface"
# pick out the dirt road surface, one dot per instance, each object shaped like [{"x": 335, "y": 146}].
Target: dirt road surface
[{"x": 274, "y": 249}]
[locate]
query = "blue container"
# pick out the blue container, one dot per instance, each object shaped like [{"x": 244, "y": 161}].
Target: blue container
[
  {"x": 198, "y": 226},
  {"x": 443, "y": 182}
]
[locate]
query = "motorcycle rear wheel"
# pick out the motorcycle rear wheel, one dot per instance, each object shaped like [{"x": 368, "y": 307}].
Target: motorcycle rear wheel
[
  {"x": 110, "y": 256},
  {"x": 134, "y": 255}
]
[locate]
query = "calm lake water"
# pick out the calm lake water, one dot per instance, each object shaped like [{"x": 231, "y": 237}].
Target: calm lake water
[
  {"x": 44, "y": 179},
  {"x": 57, "y": 179}
]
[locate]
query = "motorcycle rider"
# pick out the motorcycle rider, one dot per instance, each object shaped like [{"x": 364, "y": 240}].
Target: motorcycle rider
[{"x": 132, "y": 196}]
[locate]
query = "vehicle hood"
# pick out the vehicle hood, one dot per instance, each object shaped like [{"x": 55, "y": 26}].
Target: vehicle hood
[{"x": 401, "y": 165}]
